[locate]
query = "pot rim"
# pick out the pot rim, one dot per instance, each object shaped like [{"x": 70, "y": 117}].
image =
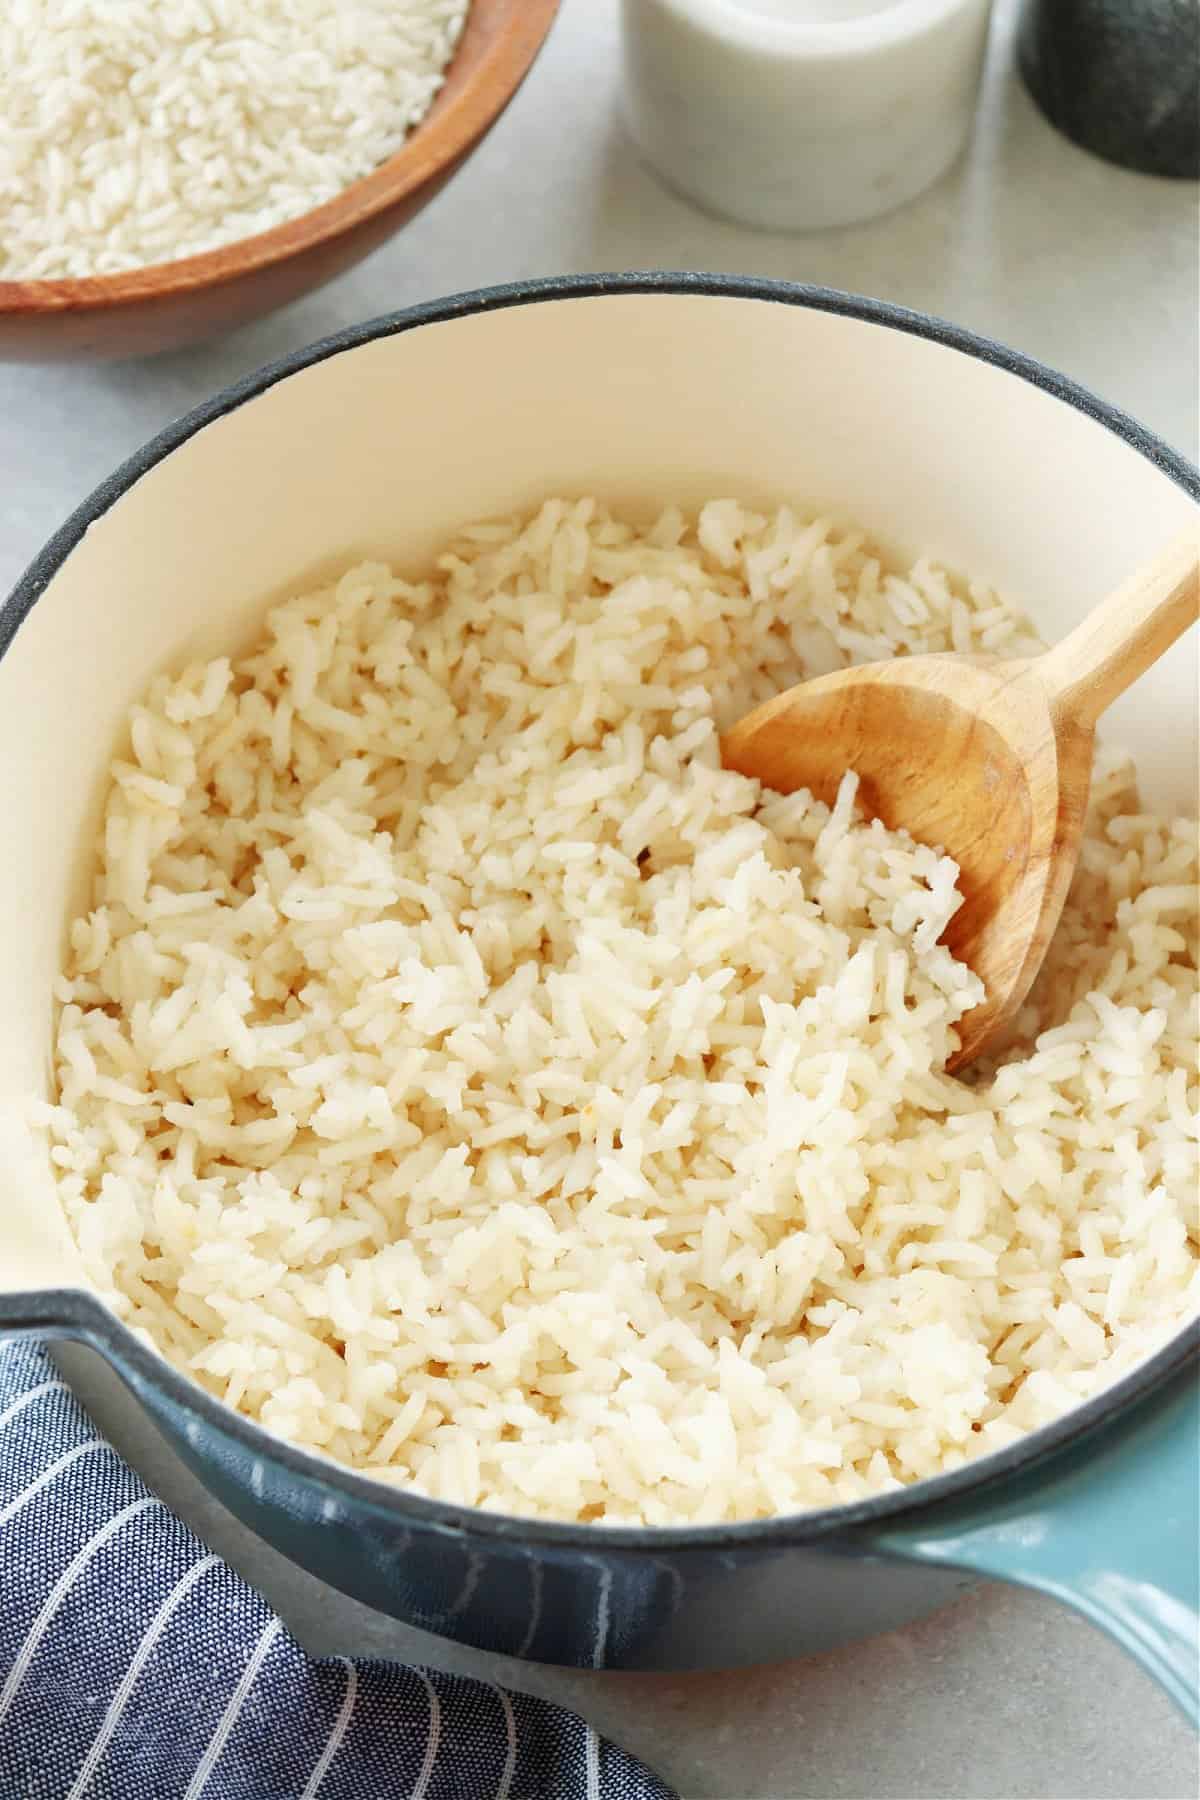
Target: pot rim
[{"x": 80, "y": 1313}]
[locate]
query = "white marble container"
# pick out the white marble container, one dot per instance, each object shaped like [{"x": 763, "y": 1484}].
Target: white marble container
[{"x": 793, "y": 115}]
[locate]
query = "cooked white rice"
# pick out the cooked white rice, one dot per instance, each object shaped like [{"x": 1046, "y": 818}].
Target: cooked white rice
[
  {"x": 139, "y": 131},
  {"x": 463, "y": 1075}
]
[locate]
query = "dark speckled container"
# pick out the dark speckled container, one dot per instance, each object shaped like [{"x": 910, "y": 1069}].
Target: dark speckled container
[{"x": 1121, "y": 78}]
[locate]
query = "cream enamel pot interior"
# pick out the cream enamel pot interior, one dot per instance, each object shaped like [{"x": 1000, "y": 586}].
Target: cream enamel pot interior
[{"x": 643, "y": 389}]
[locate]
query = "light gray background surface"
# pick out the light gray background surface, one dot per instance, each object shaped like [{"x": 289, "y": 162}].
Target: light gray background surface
[{"x": 1003, "y": 1696}]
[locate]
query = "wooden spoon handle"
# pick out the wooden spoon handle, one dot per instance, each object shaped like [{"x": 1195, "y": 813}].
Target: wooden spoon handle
[{"x": 1125, "y": 634}]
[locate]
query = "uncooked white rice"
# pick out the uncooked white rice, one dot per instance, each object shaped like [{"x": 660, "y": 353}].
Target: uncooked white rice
[
  {"x": 139, "y": 131},
  {"x": 463, "y": 1075}
]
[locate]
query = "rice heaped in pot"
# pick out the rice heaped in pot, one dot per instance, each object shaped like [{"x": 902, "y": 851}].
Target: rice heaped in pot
[{"x": 465, "y": 1076}]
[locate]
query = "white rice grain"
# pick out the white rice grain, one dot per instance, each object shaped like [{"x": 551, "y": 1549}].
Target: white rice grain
[
  {"x": 466, "y": 1077},
  {"x": 138, "y": 131}
]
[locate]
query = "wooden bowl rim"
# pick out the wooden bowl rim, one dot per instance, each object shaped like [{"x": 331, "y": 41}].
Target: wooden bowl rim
[{"x": 507, "y": 35}]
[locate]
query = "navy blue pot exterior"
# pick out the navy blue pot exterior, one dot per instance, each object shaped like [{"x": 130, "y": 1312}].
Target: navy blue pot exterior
[
  {"x": 1097, "y": 1509},
  {"x": 692, "y": 1597},
  {"x": 584, "y": 1597}
]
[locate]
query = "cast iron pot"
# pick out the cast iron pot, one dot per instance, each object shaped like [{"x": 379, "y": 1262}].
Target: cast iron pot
[{"x": 641, "y": 388}]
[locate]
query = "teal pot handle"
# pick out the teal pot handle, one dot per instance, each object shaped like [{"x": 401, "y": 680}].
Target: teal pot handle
[{"x": 1111, "y": 1527}]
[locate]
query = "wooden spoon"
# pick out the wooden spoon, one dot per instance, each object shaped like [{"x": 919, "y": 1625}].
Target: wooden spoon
[{"x": 988, "y": 759}]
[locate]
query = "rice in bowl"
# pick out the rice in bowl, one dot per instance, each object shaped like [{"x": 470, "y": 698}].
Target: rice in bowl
[{"x": 462, "y": 1074}]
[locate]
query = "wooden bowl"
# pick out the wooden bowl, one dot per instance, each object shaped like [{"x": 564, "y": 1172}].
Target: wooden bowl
[{"x": 164, "y": 305}]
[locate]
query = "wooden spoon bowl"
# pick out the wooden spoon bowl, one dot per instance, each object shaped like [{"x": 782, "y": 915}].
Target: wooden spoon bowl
[
  {"x": 167, "y": 304},
  {"x": 990, "y": 760}
]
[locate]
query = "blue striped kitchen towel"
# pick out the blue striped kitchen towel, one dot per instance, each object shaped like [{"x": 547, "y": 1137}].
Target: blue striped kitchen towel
[{"x": 134, "y": 1665}]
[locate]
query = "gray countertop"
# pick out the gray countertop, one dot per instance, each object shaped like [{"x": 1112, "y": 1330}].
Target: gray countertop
[{"x": 1084, "y": 266}]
